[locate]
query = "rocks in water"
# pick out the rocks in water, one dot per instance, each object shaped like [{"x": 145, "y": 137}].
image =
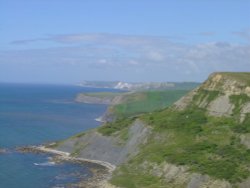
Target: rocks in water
[
  {"x": 29, "y": 149},
  {"x": 3, "y": 151}
]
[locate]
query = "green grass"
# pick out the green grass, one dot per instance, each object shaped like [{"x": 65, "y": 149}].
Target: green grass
[
  {"x": 207, "y": 95},
  {"x": 197, "y": 138},
  {"x": 207, "y": 145},
  {"x": 134, "y": 104},
  {"x": 103, "y": 94},
  {"x": 124, "y": 134},
  {"x": 243, "y": 127},
  {"x": 137, "y": 178},
  {"x": 240, "y": 76},
  {"x": 143, "y": 102},
  {"x": 238, "y": 101},
  {"x": 79, "y": 135},
  {"x": 110, "y": 128}
]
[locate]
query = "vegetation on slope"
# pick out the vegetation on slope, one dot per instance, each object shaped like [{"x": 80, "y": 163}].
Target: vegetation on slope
[
  {"x": 142, "y": 102},
  {"x": 244, "y": 127},
  {"x": 239, "y": 76},
  {"x": 208, "y": 145},
  {"x": 238, "y": 101},
  {"x": 190, "y": 137},
  {"x": 110, "y": 128},
  {"x": 207, "y": 95},
  {"x": 135, "y": 104},
  {"x": 205, "y": 144},
  {"x": 109, "y": 95}
]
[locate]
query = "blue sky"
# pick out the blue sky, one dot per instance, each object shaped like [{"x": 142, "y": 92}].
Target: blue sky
[{"x": 68, "y": 41}]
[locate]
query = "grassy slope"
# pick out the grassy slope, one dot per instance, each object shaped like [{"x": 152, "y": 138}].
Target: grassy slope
[
  {"x": 103, "y": 94},
  {"x": 239, "y": 76},
  {"x": 138, "y": 103},
  {"x": 149, "y": 101},
  {"x": 208, "y": 145},
  {"x": 141, "y": 101}
]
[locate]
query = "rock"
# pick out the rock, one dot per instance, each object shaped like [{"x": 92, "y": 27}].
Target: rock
[
  {"x": 197, "y": 180},
  {"x": 3, "y": 151},
  {"x": 244, "y": 111},
  {"x": 245, "y": 184},
  {"x": 94, "y": 145},
  {"x": 30, "y": 149},
  {"x": 221, "y": 106},
  {"x": 180, "y": 176},
  {"x": 227, "y": 85},
  {"x": 245, "y": 140}
]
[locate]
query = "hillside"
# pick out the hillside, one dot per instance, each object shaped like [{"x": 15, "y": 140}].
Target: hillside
[
  {"x": 142, "y": 102},
  {"x": 97, "y": 97},
  {"x": 125, "y": 104},
  {"x": 203, "y": 140},
  {"x": 223, "y": 94}
]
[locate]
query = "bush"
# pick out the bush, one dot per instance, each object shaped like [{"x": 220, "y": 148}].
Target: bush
[{"x": 118, "y": 125}]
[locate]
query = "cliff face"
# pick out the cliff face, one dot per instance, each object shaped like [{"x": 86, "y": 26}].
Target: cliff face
[
  {"x": 231, "y": 83},
  {"x": 222, "y": 94},
  {"x": 113, "y": 149}
]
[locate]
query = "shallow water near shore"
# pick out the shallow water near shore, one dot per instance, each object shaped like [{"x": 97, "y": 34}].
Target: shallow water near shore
[{"x": 37, "y": 114}]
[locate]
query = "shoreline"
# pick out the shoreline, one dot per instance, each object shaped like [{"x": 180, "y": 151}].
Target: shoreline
[
  {"x": 100, "y": 178},
  {"x": 66, "y": 156},
  {"x": 100, "y": 119}
]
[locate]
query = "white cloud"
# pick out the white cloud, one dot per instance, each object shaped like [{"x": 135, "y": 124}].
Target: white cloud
[
  {"x": 103, "y": 61},
  {"x": 120, "y": 52},
  {"x": 133, "y": 62},
  {"x": 155, "y": 56}
]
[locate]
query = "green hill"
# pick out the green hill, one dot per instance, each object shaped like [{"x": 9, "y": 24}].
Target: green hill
[
  {"x": 142, "y": 102},
  {"x": 202, "y": 140},
  {"x": 196, "y": 138},
  {"x": 126, "y": 104}
]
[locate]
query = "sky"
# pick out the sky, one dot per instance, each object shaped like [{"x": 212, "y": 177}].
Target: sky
[{"x": 69, "y": 41}]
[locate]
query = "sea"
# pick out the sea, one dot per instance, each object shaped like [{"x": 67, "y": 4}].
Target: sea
[{"x": 37, "y": 114}]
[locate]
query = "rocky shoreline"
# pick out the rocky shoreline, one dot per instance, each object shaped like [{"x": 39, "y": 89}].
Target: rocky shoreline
[
  {"x": 101, "y": 172},
  {"x": 3, "y": 151}
]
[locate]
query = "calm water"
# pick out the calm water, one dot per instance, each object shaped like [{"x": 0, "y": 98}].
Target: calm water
[{"x": 36, "y": 114}]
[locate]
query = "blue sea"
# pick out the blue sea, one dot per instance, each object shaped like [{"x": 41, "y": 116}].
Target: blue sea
[{"x": 37, "y": 114}]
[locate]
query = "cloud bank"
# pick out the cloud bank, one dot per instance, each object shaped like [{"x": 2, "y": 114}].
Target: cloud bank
[{"x": 132, "y": 58}]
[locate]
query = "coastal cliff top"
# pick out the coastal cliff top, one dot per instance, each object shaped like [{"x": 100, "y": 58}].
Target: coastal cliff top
[
  {"x": 239, "y": 76},
  {"x": 228, "y": 82}
]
